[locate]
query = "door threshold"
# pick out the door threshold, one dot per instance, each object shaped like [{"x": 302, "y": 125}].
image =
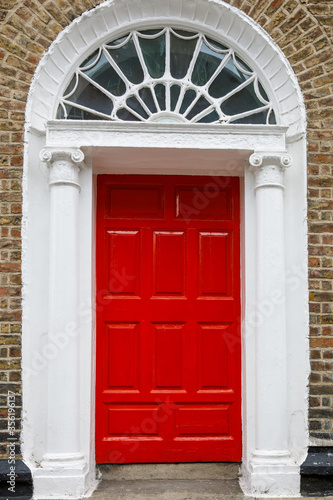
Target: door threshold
[{"x": 173, "y": 471}]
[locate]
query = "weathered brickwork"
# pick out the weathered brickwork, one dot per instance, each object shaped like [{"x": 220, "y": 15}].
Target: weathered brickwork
[{"x": 303, "y": 30}]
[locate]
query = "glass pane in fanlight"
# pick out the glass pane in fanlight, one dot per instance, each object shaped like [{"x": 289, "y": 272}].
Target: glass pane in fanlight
[
  {"x": 188, "y": 98},
  {"x": 87, "y": 62},
  {"x": 60, "y": 113},
  {"x": 227, "y": 80},
  {"x": 160, "y": 94},
  {"x": 207, "y": 63},
  {"x": 74, "y": 113},
  {"x": 153, "y": 51},
  {"x": 147, "y": 97},
  {"x": 124, "y": 114},
  {"x": 174, "y": 95},
  {"x": 272, "y": 119},
  {"x": 70, "y": 86},
  {"x": 181, "y": 53},
  {"x": 199, "y": 106},
  {"x": 186, "y": 34},
  {"x": 242, "y": 64},
  {"x": 89, "y": 96},
  {"x": 127, "y": 59},
  {"x": 117, "y": 42},
  {"x": 134, "y": 104},
  {"x": 216, "y": 45},
  {"x": 262, "y": 92},
  {"x": 211, "y": 117},
  {"x": 104, "y": 74},
  {"x": 244, "y": 100},
  {"x": 256, "y": 119},
  {"x": 151, "y": 32}
]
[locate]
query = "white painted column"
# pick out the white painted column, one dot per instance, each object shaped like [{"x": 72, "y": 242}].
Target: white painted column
[
  {"x": 63, "y": 458},
  {"x": 272, "y": 471}
]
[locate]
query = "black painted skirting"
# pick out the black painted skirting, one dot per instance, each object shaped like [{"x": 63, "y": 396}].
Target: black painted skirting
[
  {"x": 22, "y": 484},
  {"x": 317, "y": 472}
]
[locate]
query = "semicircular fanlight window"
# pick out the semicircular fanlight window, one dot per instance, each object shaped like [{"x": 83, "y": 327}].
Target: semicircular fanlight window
[{"x": 166, "y": 75}]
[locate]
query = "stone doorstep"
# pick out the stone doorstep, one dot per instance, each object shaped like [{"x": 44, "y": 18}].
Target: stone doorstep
[
  {"x": 226, "y": 489},
  {"x": 23, "y": 481},
  {"x": 190, "y": 481},
  {"x": 172, "y": 471},
  {"x": 317, "y": 472}
]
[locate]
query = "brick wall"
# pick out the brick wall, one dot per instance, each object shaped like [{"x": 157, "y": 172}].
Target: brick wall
[{"x": 303, "y": 30}]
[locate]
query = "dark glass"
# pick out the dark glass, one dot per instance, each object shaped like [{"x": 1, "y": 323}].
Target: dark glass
[
  {"x": 127, "y": 59},
  {"x": 160, "y": 94},
  {"x": 206, "y": 64},
  {"x": 153, "y": 51},
  {"x": 93, "y": 57},
  {"x": 104, "y": 74},
  {"x": 255, "y": 119},
  {"x": 74, "y": 113},
  {"x": 174, "y": 95},
  {"x": 60, "y": 113},
  {"x": 90, "y": 97},
  {"x": 199, "y": 106},
  {"x": 151, "y": 32},
  {"x": 216, "y": 45},
  {"x": 187, "y": 34},
  {"x": 124, "y": 114},
  {"x": 181, "y": 53},
  {"x": 244, "y": 100},
  {"x": 272, "y": 119},
  {"x": 262, "y": 92},
  {"x": 147, "y": 96},
  {"x": 211, "y": 117},
  {"x": 71, "y": 86},
  {"x": 119, "y": 41},
  {"x": 134, "y": 104},
  {"x": 227, "y": 80},
  {"x": 188, "y": 98},
  {"x": 243, "y": 65}
]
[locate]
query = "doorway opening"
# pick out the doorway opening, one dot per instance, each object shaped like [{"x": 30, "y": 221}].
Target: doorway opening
[{"x": 168, "y": 319}]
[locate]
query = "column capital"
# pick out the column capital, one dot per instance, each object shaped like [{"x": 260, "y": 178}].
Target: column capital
[
  {"x": 64, "y": 165},
  {"x": 51, "y": 155},
  {"x": 269, "y": 167}
]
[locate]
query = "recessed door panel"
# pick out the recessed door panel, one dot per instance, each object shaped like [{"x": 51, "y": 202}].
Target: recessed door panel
[
  {"x": 203, "y": 420},
  {"x": 168, "y": 319},
  {"x": 169, "y": 356},
  {"x": 169, "y": 262},
  {"x": 124, "y": 262},
  {"x": 123, "y": 356},
  {"x": 213, "y": 356},
  {"x": 215, "y": 263}
]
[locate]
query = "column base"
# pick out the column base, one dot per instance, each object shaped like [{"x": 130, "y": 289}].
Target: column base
[
  {"x": 63, "y": 476},
  {"x": 271, "y": 474}
]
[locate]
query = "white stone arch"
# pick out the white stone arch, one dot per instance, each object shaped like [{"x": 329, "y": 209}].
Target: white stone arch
[
  {"x": 217, "y": 19},
  {"x": 58, "y": 246}
]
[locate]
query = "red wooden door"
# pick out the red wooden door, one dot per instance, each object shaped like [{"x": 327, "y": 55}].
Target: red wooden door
[{"x": 168, "y": 319}]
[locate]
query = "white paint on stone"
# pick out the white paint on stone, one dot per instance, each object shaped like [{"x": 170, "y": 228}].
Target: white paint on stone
[{"x": 58, "y": 227}]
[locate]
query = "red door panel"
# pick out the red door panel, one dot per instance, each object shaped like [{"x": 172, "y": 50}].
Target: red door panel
[{"x": 168, "y": 319}]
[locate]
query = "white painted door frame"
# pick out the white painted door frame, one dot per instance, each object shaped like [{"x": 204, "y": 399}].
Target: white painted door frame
[{"x": 58, "y": 250}]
